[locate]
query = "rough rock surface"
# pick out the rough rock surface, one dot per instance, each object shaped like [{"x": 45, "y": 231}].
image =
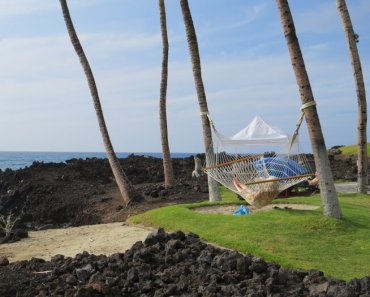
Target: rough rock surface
[
  {"x": 168, "y": 265},
  {"x": 343, "y": 166},
  {"x": 83, "y": 192}
]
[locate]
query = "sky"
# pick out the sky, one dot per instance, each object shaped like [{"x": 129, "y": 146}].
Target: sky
[{"x": 46, "y": 104}]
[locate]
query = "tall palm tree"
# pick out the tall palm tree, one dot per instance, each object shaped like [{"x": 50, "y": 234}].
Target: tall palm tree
[
  {"x": 327, "y": 189},
  {"x": 214, "y": 194},
  {"x": 352, "y": 39},
  {"x": 127, "y": 190},
  {"x": 167, "y": 164}
]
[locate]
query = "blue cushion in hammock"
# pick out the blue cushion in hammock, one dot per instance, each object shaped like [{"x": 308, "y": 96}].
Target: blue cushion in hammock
[{"x": 280, "y": 167}]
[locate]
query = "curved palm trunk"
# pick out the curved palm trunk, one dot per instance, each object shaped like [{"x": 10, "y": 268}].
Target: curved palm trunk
[
  {"x": 351, "y": 38},
  {"x": 167, "y": 164},
  {"x": 214, "y": 194},
  {"x": 124, "y": 185},
  {"x": 327, "y": 189}
]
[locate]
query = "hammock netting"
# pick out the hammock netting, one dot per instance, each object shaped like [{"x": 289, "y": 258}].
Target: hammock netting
[{"x": 257, "y": 163}]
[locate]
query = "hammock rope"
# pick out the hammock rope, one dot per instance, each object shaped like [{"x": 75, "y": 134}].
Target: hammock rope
[{"x": 258, "y": 177}]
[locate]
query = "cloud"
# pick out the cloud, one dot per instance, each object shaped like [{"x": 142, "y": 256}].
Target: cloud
[
  {"x": 321, "y": 19},
  {"x": 46, "y": 103},
  {"x": 108, "y": 44},
  {"x": 324, "y": 17},
  {"x": 37, "y": 57},
  {"x": 11, "y": 8},
  {"x": 249, "y": 15}
]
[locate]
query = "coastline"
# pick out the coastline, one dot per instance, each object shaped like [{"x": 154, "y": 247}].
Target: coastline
[{"x": 20, "y": 159}]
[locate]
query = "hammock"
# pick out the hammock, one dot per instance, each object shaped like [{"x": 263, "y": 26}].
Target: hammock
[{"x": 242, "y": 164}]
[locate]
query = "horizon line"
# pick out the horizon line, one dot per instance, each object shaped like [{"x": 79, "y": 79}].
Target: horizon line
[{"x": 93, "y": 152}]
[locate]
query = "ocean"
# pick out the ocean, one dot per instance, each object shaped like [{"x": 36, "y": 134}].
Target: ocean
[{"x": 17, "y": 160}]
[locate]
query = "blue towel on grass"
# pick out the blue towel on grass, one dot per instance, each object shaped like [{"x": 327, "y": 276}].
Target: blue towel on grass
[{"x": 242, "y": 210}]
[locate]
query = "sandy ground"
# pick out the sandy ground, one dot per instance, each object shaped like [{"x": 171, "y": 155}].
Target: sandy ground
[
  {"x": 109, "y": 238},
  {"x": 350, "y": 187},
  {"x": 96, "y": 239},
  {"x": 229, "y": 209}
]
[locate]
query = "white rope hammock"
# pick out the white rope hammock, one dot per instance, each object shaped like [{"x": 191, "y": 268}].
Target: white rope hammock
[{"x": 259, "y": 162}]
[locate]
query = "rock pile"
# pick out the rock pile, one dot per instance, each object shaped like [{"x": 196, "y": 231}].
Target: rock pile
[
  {"x": 47, "y": 195},
  {"x": 343, "y": 166},
  {"x": 168, "y": 265},
  {"x": 74, "y": 193}
]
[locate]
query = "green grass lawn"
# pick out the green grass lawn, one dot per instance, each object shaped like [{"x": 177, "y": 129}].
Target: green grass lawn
[
  {"x": 352, "y": 149},
  {"x": 292, "y": 238}
]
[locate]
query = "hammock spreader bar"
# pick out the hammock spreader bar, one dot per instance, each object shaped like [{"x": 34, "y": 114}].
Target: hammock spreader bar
[{"x": 233, "y": 162}]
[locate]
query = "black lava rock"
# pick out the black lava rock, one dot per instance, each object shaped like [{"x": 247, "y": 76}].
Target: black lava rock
[{"x": 169, "y": 265}]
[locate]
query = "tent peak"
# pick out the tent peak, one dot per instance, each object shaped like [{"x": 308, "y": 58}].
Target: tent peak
[{"x": 259, "y": 129}]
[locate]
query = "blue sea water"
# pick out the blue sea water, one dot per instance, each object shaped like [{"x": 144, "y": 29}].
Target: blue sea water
[{"x": 17, "y": 160}]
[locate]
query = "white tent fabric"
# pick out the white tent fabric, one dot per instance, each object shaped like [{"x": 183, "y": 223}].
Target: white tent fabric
[{"x": 258, "y": 132}]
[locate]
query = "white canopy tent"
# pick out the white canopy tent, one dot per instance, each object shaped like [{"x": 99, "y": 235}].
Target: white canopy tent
[{"x": 258, "y": 132}]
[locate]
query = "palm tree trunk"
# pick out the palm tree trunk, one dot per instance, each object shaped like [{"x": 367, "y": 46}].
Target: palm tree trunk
[
  {"x": 167, "y": 164},
  {"x": 351, "y": 37},
  {"x": 214, "y": 194},
  {"x": 128, "y": 192},
  {"x": 327, "y": 189}
]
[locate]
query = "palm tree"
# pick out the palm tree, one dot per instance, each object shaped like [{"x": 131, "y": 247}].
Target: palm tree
[
  {"x": 127, "y": 190},
  {"x": 214, "y": 194},
  {"x": 352, "y": 39},
  {"x": 167, "y": 164},
  {"x": 327, "y": 189}
]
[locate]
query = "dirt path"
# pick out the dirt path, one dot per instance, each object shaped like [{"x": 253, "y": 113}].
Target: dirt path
[
  {"x": 346, "y": 188},
  {"x": 229, "y": 209},
  {"x": 104, "y": 238},
  {"x": 97, "y": 239}
]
